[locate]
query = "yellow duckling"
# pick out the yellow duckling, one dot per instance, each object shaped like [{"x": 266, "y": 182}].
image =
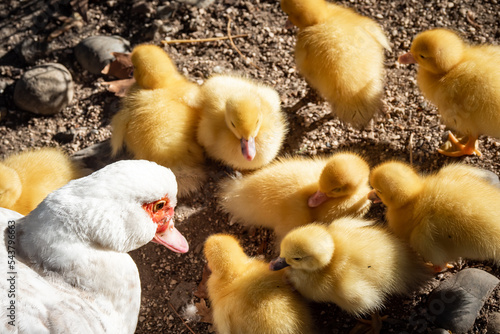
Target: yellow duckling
[
  {"x": 341, "y": 54},
  {"x": 444, "y": 216},
  {"x": 295, "y": 191},
  {"x": 248, "y": 298},
  {"x": 351, "y": 263},
  {"x": 241, "y": 122},
  {"x": 463, "y": 81},
  {"x": 157, "y": 120},
  {"x": 26, "y": 178}
]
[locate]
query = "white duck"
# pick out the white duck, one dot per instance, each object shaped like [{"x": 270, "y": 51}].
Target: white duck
[{"x": 72, "y": 270}]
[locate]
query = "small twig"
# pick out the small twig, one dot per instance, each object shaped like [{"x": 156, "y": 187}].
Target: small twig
[
  {"x": 471, "y": 19},
  {"x": 172, "y": 306},
  {"x": 410, "y": 147},
  {"x": 212, "y": 39},
  {"x": 234, "y": 46}
]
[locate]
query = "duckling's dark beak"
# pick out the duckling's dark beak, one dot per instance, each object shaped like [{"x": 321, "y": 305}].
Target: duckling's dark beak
[
  {"x": 372, "y": 196},
  {"x": 278, "y": 264}
]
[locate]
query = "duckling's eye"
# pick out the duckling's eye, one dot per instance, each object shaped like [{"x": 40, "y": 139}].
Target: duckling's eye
[
  {"x": 378, "y": 191},
  {"x": 422, "y": 56},
  {"x": 158, "y": 206},
  {"x": 297, "y": 258},
  {"x": 233, "y": 124},
  {"x": 336, "y": 190}
]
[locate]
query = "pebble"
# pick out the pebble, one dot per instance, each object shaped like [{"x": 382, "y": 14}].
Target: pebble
[
  {"x": 457, "y": 301},
  {"x": 95, "y": 52},
  {"x": 45, "y": 89}
]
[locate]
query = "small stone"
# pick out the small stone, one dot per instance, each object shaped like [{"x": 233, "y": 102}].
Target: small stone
[
  {"x": 45, "y": 89},
  {"x": 95, "y": 52},
  {"x": 457, "y": 301}
]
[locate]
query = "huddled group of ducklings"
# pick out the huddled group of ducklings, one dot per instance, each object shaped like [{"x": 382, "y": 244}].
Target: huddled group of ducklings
[{"x": 315, "y": 205}]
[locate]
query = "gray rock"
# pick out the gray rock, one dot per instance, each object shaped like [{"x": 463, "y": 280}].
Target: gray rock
[
  {"x": 45, "y": 89},
  {"x": 182, "y": 294},
  {"x": 456, "y": 302},
  {"x": 493, "y": 323},
  {"x": 95, "y": 52}
]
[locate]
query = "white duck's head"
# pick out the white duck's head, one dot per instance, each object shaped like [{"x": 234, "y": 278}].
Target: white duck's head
[{"x": 120, "y": 207}]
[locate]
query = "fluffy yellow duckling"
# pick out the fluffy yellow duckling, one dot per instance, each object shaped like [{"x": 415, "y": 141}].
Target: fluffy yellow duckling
[
  {"x": 248, "y": 298},
  {"x": 351, "y": 263},
  {"x": 295, "y": 191},
  {"x": 28, "y": 177},
  {"x": 463, "y": 81},
  {"x": 444, "y": 216},
  {"x": 241, "y": 122},
  {"x": 157, "y": 120},
  {"x": 341, "y": 54}
]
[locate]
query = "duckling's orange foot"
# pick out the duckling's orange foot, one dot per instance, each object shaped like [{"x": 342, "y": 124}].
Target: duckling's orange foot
[
  {"x": 458, "y": 147},
  {"x": 372, "y": 326},
  {"x": 438, "y": 269}
]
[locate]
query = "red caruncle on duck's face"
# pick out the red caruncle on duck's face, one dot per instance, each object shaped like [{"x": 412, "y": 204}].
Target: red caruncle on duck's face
[{"x": 160, "y": 212}]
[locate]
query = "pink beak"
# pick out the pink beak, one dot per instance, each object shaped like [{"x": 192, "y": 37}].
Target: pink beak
[
  {"x": 248, "y": 148},
  {"x": 372, "y": 196},
  {"x": 317, "y": 199},
  {"x": 407, "y": 58},
  {"x": 172, "y": 239}
]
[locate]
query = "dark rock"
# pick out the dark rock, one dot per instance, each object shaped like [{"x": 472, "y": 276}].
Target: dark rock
[
  {"x": 182, "y": 294},
  {"x": 142, "y": 8},
  {"x": 45, "y": 89},
  {"x": 95, "y": 52},
  {"x": 64, "y": 137},
  {"x": 456, "y": 302},
  {"x": 31, "y": 50}
]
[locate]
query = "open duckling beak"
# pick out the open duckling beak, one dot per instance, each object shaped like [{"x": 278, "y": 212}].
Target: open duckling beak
[
  {"x": 248, "y": 148},
  {"x": 278, "y": 264},
  {"x": 372, "y": 196},
  {"x": 407, "y": 58}
]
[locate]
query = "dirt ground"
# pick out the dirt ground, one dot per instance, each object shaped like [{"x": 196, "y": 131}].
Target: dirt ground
[{"x": 408, "y": 129}]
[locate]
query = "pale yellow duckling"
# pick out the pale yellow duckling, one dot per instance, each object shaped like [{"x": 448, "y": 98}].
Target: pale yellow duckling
[
  {"x": 350, "y": 262},
  {"x": 248, "y": 298},
  {"x": 340, "y": 54},
  {"x": 444, "y": 216},
  {"x": 463, "y": 81},
  {"x": 26, "y": 178},
  {"x": 157, "y": 120},
  {"x": 241, "y": 122},
  {"x": 295, "y": 191}
]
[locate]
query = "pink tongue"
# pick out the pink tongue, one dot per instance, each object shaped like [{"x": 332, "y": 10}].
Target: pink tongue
[{"x": 172, "y": 239}]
